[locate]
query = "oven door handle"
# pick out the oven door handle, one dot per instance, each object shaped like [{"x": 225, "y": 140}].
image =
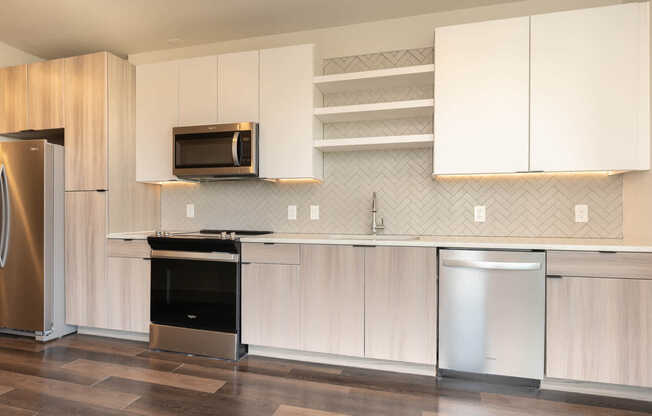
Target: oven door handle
[
  {"x": 194, "y": 255},
  {"x": 234, "y": 148}
]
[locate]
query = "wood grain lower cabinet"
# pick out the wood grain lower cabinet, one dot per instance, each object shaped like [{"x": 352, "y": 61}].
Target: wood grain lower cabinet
[
  {"x": 127, "y": 295},
  {"x": 271, "y": 305},
  {"x": 401, "y": 304},
  {"x": 13, "y": 99},
  {"x": 332, "y": 299},
  {"x": 85, "y": 263},
  {"x": 599, "y": 330}
]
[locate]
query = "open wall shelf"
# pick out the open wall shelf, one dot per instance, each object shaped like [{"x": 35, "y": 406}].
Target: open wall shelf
[
  {"x": 379, "y": 78},
  {"x": 375, "y": 143},
  {"x": 376, "y": 111}
]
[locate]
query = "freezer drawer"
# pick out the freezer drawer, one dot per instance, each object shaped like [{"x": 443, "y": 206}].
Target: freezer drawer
[{"x": 492, "y": 312}]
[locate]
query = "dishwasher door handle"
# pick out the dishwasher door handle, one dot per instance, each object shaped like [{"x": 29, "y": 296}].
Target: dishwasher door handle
[{"x": 491, "y": 265}]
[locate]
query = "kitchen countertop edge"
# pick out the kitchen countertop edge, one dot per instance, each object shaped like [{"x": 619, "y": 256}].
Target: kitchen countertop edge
[
  {"x": 458, "y": 242},
  {"x": 522, "y": 243}
]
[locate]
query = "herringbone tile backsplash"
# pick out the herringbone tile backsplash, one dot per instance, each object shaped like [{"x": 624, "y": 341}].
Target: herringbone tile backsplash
[{"x": 410, "y": 201}]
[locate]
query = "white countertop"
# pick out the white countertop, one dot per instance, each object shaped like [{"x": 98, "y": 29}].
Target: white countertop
[
  {"x": 136, "y": 235},
  {"x": 459, "y": 242},
  {"x": 514, "y": 243}
]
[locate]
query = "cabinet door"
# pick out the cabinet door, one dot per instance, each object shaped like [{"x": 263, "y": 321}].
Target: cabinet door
[
  {"x": 127, "y": 294},
  {"x": 332, "y": 299},
  {"x": 599, "y": 330},
  {"x": 45, "y": 92},
  {"x": 157, "y": 112},
  {"x": 590, "y": 89},
  {"x": 86, "y": 259},
  {"x": 238, "y": 87},
  {"x": 270, "y": 305},
  {"x": 481, "y": 96},
  {"x": 198, "y": 91},
  {"x": 286, "y": 114},
  {"x": 400, "y": 304},
  {"x": 85, "y": 104},
  {"x": 13, "y": 99}
]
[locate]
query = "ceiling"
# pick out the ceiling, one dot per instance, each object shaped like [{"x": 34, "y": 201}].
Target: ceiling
[{"x": 51, "y": 29}]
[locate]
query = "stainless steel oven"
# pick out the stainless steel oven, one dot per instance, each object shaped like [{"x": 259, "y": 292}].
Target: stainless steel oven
[
  {"x": 195, "y": 297},
  {"x": 218, "y": 151}
]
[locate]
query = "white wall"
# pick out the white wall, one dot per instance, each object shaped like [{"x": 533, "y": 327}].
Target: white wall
[
  {"x": 385, "y": 35},
  {"x": 10, "y": 56}
]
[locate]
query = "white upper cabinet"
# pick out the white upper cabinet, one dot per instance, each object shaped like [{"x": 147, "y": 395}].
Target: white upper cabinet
[
  {"x": 590, "y": 89},
  {"x": 287, "y": 124},
  {"x": 198, "y": 91},
  {"x": 238, "y": 87},
  {"x": 157, "y": 112},
  {"x": 481, "y": 97}
]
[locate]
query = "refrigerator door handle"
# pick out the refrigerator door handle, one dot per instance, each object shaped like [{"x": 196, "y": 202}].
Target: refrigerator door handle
[{"x": 5, "y": 216}]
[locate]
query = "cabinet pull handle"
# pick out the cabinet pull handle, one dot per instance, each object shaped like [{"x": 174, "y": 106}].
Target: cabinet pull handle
[
  {"x": 491, "y": 265},
  {"x": 554, "y": 276}
]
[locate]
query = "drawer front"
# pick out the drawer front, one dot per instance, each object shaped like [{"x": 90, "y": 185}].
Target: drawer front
[
  {"x": 270, "y": 253},
  {"x": 129, "y": 248},
  {"x": 599, "y": 264}
]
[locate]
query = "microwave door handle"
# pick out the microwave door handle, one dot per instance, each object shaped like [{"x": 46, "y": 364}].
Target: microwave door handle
[{"x": 234, "y": 149}]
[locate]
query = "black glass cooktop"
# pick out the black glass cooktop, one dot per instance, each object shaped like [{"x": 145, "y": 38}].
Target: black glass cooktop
[{"x": 237, "y": 232}]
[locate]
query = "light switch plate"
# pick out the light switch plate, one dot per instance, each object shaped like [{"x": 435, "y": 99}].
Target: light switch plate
[
  {"x": 581, "y": 213},
  {"x": 292, "y": 212},
  {"x": 480, "y": 213},
  {"x": 190, "y": 210},
  {"x": 314, "y": 212}
]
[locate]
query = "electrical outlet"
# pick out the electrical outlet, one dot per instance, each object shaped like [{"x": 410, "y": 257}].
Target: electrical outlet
[
  {"x": 292, "y": 212},
  {"x": 314, "y": 212},
  {"x": 190, "y": 210},
  {"x": 480, "y": 213},
  {"x": 581, "y": 213}
]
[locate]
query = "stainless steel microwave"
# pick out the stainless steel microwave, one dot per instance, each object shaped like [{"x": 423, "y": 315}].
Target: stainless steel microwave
[{"x": 217, "y": 151}]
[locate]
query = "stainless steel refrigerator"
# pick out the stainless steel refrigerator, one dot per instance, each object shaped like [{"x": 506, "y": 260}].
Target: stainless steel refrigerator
[{"x": 32, "y": 295}]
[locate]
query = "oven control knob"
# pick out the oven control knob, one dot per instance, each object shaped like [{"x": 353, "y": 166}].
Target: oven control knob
[
  {"x": 232, "y": 235},
  {"x": 223, "y": 236}
]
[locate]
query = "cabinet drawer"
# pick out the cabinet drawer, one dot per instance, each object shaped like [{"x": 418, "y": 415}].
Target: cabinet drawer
[
  {"x": 600, "y": 264},
  {"x": 129, "y": 248},
  {"x": 270, "y": 253}
]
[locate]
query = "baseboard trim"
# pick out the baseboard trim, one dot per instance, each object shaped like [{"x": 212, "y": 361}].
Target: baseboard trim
[
  {"x": 110, "y": 333},
  {"x": 344, "y": 361},
  {"x": 598, "y": 389}
]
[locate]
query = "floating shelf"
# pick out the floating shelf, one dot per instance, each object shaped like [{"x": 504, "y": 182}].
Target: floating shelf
[
  {"x": 377, "y": 111},
  {"x": 375, "y": 143},
  {"x": 379, "y": 78}
]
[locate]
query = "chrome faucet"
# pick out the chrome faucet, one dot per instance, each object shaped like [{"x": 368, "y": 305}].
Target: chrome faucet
[{"x": 375, "y": 224}]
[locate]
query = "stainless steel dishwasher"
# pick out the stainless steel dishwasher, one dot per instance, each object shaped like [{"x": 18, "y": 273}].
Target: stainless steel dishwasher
[{"x": 492, "y": 312}]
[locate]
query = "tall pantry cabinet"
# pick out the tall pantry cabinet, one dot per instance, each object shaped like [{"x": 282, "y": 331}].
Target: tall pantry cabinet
[{"x": 102, "y": 195}]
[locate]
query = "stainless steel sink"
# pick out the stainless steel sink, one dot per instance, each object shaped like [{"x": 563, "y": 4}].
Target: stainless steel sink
[{"x": 372, "y": 237}]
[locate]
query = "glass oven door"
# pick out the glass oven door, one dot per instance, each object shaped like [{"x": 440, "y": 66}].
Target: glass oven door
[{"x": 199, "y": 294}]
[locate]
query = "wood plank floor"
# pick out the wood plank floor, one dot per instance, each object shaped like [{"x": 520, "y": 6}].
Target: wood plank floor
[{"x": 84, "y": 375}]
